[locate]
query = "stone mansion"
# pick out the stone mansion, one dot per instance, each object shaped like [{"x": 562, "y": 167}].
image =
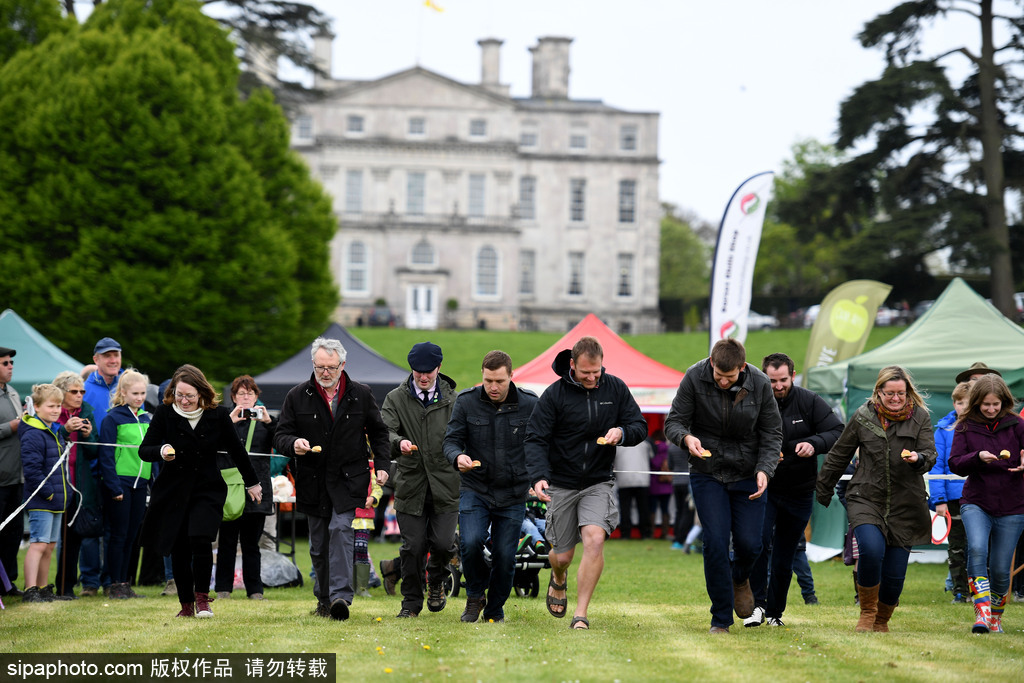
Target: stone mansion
[{"x": 461, "y": 205}]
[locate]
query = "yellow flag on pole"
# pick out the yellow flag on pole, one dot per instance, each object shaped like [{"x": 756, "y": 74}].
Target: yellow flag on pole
[{"x": 433, "y": 5}]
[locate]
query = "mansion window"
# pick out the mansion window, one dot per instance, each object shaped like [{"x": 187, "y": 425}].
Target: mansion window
[
  {"x": 423, "y": 254},
  {"x": 478, "y": 128},
  {"x": 528, "y": 197},
  {"x": 575, "y": 287},
  {"x": 487, "y": 272},
  {"x": 624, "y": 282},
  {"x": 577, "y": 199},
  {"x": 627, "y": 201},
  {"x": 353, "y": 192},
  {"x": 628, "y": 138},
  {"x": 417, "y": 127},
  {"x": 354, "y": 123},
  {"x": 415, "y": 193},
  {"x": 357, "y": 269},
  {"x": 477, "y": 184},
  {"x": 527, "y": 271}
]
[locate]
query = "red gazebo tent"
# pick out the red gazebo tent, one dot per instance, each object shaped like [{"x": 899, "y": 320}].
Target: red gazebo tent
[{"x": 652, "y": 384}]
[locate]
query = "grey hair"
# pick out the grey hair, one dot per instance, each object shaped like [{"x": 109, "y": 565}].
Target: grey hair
[
  {"x": 329, "y": 345},
  {"x": 68, "y": 379}
]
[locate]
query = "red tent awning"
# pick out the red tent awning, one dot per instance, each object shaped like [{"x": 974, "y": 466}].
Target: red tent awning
[{"x": 652, "y": 384}]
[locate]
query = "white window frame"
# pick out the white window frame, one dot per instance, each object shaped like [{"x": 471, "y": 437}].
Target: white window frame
[
  {"x": 625, "y": 276},
  {"x": 527, "y": 272},
  {"x": 629, "y": 137},
  {"x": 353, "y": 191},
  {"x": 418, "y": 255},
  {"x": 416, "y": 193},
  {"x": 527, "y": 204},
  {"x": 577, "y": 268},
  {"x": 476, "y": 206},
  {"x": 627, "y": 200},
  {"x": 486, "y": 274},
  {"x": 304, "y": 127},
  {"x": 355, "y": 124},
  {"x": 577, "y": 200},
  {"x": 478, "y": 128},
  {"x": 417, "y": 127},
  {"x": 357, "y": 268}
]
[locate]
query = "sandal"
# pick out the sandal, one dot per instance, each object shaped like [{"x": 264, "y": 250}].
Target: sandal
[
  {"x": 579, "y": 620},
  {"x": 552, "y": 601}
]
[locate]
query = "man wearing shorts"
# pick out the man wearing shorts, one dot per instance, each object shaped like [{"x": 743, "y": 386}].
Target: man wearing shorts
[{"x": 570, "y": 452}]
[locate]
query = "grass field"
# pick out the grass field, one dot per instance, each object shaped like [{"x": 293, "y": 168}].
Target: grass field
[
  {"x": 649, "y": 623},
  {"x": 464, "y": 349}
]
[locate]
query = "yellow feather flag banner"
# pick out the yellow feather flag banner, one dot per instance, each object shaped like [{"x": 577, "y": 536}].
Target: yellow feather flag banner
[{"x": 433, "y": 5}]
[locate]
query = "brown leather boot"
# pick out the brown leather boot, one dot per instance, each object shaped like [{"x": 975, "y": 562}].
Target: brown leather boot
[
  {"x": 882, "y": 617},
  {"x": 868, "y": 599}
]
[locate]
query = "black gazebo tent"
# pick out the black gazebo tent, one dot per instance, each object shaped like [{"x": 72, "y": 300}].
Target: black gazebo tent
[{"x": 363, "y": 364}]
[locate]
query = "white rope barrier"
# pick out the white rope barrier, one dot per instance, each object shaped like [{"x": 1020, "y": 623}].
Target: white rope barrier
[{"x": 845, "y": 477}]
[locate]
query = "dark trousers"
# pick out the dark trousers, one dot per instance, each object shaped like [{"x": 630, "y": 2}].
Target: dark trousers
[
  {"x": 432, "y": 533},
  {"x": 802, "y": 569},
  {"x": 640, "y": 494},
  {"x": 785, "y": 518},
  {"x": 10, "y": 535},
  {"x": 684, "y": 515},
  {"x": 192, "y": 560},
  {"x": 478, "y": 520},
  {"x": 726, "y": 511},
  {"x": 881, "y": 563},
  {"x": 957, "y": 552},
  {"x": 246, "y": 529},
  {"x": 123, "y": 518}
]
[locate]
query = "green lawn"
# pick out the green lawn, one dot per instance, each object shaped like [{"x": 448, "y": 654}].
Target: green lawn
[
  {"x": 464, "y": 349},
  {"x": 649, "y": 622}
]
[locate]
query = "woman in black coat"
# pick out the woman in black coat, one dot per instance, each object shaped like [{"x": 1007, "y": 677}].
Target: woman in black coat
[{"x": 187, "y": 503}]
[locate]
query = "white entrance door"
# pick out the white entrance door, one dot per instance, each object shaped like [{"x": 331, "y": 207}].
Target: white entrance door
[{"x": 421, "y": 307}]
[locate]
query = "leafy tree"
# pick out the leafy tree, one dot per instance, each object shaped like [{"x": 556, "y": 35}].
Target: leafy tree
[
  {"x": 937, "y": 169},
  {"x": 144, "y": 200},
  {"x": 24, "y": 23},
  {"x": 685, "y": 258}
]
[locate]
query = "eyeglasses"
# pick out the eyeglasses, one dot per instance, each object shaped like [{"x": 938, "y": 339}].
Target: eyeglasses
[
  {"x": 75, "y": 391},
  {"x": 245, "y": 393},
  {"x": 326, "y": 368},
  {"x": 186, "y": 397},
  {"x": 894, "y": 394},
  {"x": 7, "y": 363}
]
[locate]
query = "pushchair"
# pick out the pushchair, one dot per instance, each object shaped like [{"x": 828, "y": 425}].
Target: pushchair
[{"x": 529, "y": 562}]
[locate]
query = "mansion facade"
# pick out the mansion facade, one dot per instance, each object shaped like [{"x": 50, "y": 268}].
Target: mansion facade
[{"x": 460, "y": 205}]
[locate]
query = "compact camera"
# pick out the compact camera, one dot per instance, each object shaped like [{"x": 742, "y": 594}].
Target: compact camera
[{"x": 252, "y": 413}]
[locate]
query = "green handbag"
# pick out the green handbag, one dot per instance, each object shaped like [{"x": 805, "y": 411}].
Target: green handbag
[{"x": 234, "y": 503}]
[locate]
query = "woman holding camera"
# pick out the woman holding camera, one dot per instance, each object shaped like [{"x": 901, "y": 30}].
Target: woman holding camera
[
  {"x": 255, "y": 429},
  {"x": 185, "y": 511}
]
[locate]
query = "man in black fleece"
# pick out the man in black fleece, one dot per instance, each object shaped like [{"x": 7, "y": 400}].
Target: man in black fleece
[
  {"x": 809, "y": 427},
  {"x": 570, "y": 452}
]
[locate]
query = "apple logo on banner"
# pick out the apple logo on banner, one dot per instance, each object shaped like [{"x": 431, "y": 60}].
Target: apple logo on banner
[
  {"x": 729, "y": 330},
  {"x": 849, "y": 319},
  {"x": 749, "y": 203}
]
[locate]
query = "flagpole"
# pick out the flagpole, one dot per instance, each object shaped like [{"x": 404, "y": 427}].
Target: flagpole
[{"x": 419, "y": 30}]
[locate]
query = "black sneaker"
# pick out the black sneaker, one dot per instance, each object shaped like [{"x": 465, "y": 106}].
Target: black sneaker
[
  {"x": 406, "y": 613},
  {"x": 436, "y": 599},
  {"x": 32, "y": 595},
  {"x": 811, "y": 600},
  {"x": 473, "y": 607},
  {"x": 46, "y": 593}
]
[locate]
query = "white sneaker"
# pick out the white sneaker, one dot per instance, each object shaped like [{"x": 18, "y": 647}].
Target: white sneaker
[
  {"x": 775, "y": 621},
  {"x": 756, "y": 618}
]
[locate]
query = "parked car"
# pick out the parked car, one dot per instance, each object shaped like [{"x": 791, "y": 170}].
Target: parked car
[
  {"x": 811, "y": 314},
  {"x": 381, "y": 316},
  {"x": 757, "y": 321}
]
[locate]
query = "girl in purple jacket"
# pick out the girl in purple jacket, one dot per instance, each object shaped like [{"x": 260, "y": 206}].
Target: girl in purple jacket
[{"x": 988, "y": 443}]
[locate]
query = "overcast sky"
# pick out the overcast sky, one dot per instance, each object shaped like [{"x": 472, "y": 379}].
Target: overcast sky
[{"x": 736, "y": 82}]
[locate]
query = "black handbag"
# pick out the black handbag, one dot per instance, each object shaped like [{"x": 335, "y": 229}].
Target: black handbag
[{"x": 86, "y": 521}]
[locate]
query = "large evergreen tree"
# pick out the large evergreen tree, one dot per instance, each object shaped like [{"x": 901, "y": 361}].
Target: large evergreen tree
[
  {"x": 938, "y": 150},
  {"x": 142, "y": 199}
]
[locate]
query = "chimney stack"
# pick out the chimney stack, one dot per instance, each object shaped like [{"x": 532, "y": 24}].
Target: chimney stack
[
  {"x": 551, "y": 68},
  {"x": 322, "y": 43},
  {"x": 490, "y": 61}
]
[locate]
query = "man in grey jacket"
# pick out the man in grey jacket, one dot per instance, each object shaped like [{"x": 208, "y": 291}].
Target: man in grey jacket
[
  {"x": 725, "y": 415},
  {"x": 416, "y": 413},
  {"x": 11, "y": 479}
]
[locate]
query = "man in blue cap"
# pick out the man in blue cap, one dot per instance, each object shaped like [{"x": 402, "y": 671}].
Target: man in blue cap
[
  {"x": 416, "y": 413},
  {"x": 99, "y": 389}
]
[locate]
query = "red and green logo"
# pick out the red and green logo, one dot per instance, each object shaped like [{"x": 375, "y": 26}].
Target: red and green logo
[
  {"x": 749, "y": 203},
  {"x": 729, "y": 330}
]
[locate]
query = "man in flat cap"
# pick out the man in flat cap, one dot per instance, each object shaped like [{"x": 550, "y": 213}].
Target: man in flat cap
[
  {"x": 416, "y": 413},
  {"x": 11, "y": 479}
]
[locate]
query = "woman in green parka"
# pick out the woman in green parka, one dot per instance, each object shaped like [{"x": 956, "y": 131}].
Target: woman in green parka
[{"x": 886, "y": 500}]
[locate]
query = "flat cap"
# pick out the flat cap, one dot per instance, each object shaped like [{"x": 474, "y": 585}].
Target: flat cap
[{"x": 425, "y": 356}]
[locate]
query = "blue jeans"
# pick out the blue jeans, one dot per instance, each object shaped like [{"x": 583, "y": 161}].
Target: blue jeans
[
  {"x": 804, "y": 577},
  {"x": 725, "y": 510},
  {"x": 991, "y": 541},
  {"x": 785, "y": 518},
  {"x": 881, "y": 563},
  {"x": 476, "y": 515}
]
